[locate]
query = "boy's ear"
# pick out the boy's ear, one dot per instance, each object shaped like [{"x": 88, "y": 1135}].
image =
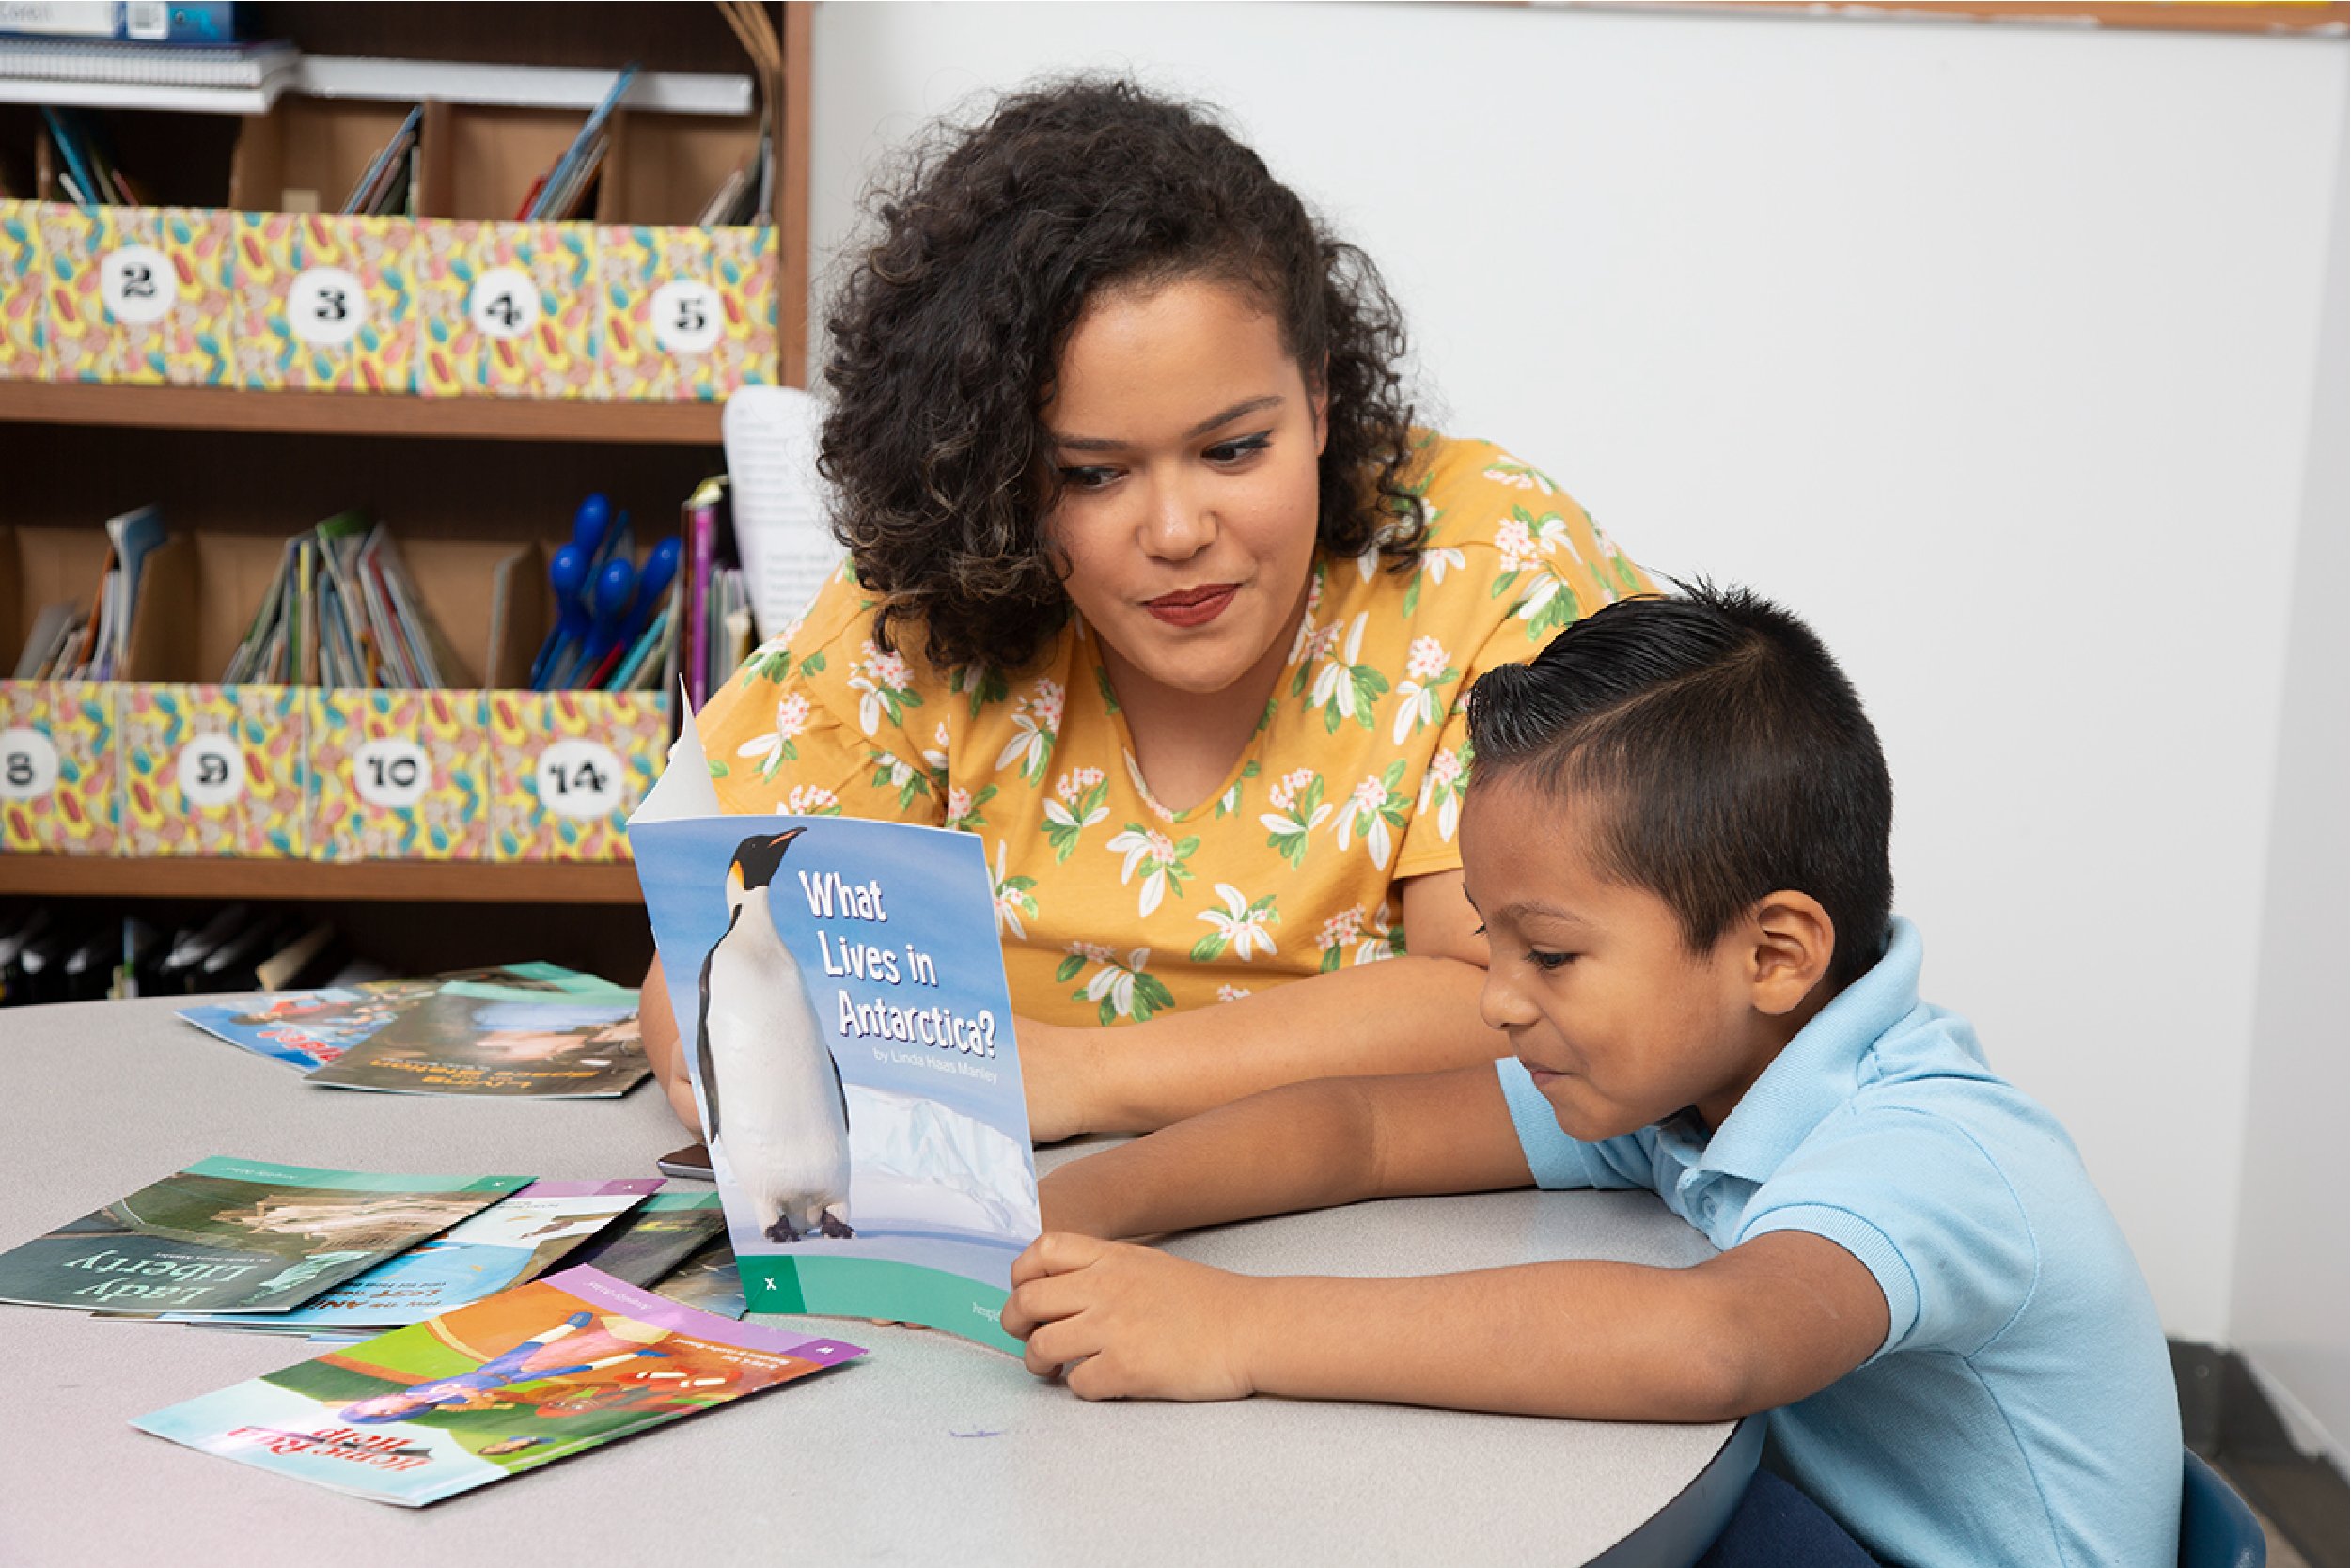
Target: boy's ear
[{"x": 1792, "y": 940}]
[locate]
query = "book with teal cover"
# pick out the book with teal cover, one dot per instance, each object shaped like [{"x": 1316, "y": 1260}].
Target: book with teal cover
[
  {"x": 509, "y": 1244},
  {"x": 653, "y": 1240},
  {"x": 499, "y": 1041},
  {"x": 841, "y": 997},
  {"x": 230, "y": 1235},
  {"x": 522, "y": 1379}
]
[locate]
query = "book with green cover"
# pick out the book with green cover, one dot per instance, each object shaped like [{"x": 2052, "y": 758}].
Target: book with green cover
[
  {"x": 230, "y": 1235},
  {"x": 491, "y": 1040}
]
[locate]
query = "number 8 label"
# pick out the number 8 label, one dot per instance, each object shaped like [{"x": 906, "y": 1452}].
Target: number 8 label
[
  {"x": 325, "y": 305},
  {"x": 29, "y": 765},
  {"x": 686, "y": 316}
]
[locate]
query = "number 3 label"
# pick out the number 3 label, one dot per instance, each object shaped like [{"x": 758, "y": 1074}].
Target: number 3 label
[
  {"x": 137, "y": 284},
  {"x": 325, "y": 305},
  {"x": 29, "y": 765},
  {"x": 686, "y": 316},
  {"x": 212, "y": 771},
  {"x": 505, "y": 303},
  {"x": 393, "y": 773}
]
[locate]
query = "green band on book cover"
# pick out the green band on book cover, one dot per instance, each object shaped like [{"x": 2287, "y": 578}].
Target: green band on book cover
[
  {"x": 876, "y": 1288},
  {"x": 349, "y": 1181}
]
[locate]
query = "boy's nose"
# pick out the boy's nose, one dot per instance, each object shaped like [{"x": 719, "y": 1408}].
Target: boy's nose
[{"x": 1499, "y": 1006}]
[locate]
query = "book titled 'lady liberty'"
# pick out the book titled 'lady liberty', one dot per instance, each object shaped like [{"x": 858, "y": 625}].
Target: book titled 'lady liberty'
[
  {"x": 526, "y": 1377},
  {"x": 228, "y": 1235}
]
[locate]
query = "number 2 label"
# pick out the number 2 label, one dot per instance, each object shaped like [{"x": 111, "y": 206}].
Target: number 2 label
[{"x": 137, "y": 284}]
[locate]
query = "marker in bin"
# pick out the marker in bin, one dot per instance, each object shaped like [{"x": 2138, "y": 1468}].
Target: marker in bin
[{"x": 603, "y": 605}]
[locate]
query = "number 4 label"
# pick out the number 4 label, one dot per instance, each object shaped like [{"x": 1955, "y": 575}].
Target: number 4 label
[
  {"x": 394, "y": 773},
  {"x": 504, "y": 304}
]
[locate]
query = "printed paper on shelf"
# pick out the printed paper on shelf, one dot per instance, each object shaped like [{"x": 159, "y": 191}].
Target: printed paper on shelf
[
  {"x": 175, "y": 324},
  {"x": 571, "y": 804},
  {"x": 505, "y": 1384},
  {"x": 509, "y": 1244},
  {"x": 23, "y": 290},
  {"x": 839, "y": 988},
  {"x": 324, "y": 302},
  {"x": 399, "y": 776},
  {"x": 230, "y": 1235},
  {"x": 480, "y": 331}
]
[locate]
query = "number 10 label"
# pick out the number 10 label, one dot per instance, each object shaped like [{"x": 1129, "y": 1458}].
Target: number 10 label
[{"x": 393, "y": 773}]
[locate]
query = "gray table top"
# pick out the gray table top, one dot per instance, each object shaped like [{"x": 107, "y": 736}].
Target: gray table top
[{"x": 930, "y": 1449}]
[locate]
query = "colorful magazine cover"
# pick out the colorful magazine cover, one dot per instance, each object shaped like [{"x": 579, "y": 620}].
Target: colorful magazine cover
[
  {"x": 653, "y": 1240},
  {"x": 496, "y": 1040},
  {"x": 508, "y": 1243},
  {"x": 841, "y": 996},
  {"x": 708, "y": 1282},
  {"x": 229, "y": 1235},
  {"x": 525, "y": 1378},
  {"x": 310, "y": 1028}
]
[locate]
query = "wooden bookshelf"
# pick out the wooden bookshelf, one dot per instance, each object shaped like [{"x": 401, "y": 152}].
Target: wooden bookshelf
[
  {"x": 481, "y": 418},
  {"x": 370, "y": 881}
]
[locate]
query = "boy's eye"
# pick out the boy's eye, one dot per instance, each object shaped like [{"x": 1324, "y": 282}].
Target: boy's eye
[
  {"x": 1549, "y": 961},
  {"x": 1234, "y": 450}
]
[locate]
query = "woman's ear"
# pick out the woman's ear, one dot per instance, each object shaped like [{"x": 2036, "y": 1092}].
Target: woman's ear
[
  {"x": 1792, "y": 942},
  {"x": 1318, "y": 397}
]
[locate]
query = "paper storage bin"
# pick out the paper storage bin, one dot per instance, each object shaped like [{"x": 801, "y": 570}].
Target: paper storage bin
[
  {"x": 23, "y": 290},
  {"x": 399, "y": 776},
  {"x": 323, "y": 303},
  {"x": 57, "y": 768},
  {"x": 137, "y": 295},
  {"x": 213, "y": 770},
  {"x": 569, "y": 767},
  {"x": 504, "y": 309},
  {"x": 688, "y": 314}
]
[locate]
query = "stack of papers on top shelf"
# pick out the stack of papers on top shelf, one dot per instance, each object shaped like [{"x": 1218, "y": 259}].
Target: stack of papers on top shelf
[{"x": 161, "y": 64}]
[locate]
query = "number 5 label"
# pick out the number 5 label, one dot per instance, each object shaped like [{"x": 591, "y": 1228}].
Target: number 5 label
[
  {"x": 325, "y": 305},
  {"x": 391, "y": 773},
  {"x": 686, "y": 316}
]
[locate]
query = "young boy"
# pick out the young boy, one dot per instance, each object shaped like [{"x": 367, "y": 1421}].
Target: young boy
[{"x": 1676, "y": 836}]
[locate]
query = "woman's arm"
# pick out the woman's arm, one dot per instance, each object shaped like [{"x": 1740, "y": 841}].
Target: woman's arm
[
  {"x": 1410, "y": 1014},
  {"x": 657, "y": 1028}
]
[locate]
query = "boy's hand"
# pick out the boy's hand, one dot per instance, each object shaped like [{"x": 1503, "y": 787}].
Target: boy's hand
[{"x": 1137, "y": 1323}]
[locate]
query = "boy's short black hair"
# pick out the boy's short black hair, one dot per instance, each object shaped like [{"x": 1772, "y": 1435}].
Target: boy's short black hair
[{"x": 1732, "y": 752}]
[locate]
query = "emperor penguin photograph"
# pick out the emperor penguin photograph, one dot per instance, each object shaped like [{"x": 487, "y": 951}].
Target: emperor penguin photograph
[{"x": 771, "y": 1092}]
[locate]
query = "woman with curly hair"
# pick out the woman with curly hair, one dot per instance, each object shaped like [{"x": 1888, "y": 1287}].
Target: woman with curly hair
[{"x": 1153, "y": 585}]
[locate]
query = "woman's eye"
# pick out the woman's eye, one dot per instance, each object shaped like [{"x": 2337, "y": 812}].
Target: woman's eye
[
  {"x": 1087, "y": 478},
  {"x": 1234, "y": 451}
]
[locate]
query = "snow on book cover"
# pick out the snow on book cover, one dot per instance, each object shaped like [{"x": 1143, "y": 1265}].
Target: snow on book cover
[{"x": 840, "y": 999}]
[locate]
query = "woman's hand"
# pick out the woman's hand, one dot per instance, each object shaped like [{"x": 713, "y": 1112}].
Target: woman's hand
[
  {"x": 1137, "y": 1323},
  {"x": 1060, "y": 1073}
]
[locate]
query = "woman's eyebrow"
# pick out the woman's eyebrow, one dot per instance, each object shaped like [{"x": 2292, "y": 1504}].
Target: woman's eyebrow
[{"x": 1099, "y": 444}]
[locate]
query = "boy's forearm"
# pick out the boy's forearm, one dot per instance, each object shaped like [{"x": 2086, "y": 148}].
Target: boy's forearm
[
  {"x": 1598, "y": 1340},
  {"x": 1402, "y": 1015},
  {"x": 1304, "y": 1146}
]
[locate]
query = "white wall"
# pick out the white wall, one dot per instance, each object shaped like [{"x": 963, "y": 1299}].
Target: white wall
[
  {"x": 2291, "y": 1299},
  {"x": 1989, "y": 349}
]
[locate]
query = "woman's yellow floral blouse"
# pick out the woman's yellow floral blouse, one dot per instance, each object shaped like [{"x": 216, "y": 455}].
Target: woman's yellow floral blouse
[{"x": 1111, "y": 906}]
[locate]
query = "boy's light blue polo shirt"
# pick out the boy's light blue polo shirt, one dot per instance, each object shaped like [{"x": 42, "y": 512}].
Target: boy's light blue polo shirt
[{"x": 2022, "y": 1408}]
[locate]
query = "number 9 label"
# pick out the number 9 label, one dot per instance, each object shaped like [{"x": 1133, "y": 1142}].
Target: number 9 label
[
  {"x": 29, "y": 765},
  {"x": 325, "y": 305},
  {"x": 686, "y": 316},
  {"x": 138, "y": 284},
  {"x": 504, "y": 304},
  {"x": 394, "y": 773},
  {"x": 212, "y": 771}
]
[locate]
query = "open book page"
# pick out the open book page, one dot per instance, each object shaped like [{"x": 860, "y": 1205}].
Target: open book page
[{"x": 782, "y": 526}]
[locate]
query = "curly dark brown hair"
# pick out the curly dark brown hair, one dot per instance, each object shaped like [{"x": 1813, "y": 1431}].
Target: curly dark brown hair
[{"x": 946, "y": 330}]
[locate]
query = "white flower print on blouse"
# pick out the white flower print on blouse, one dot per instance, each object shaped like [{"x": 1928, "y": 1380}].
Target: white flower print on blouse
[{"x": 1036, "y": 720}]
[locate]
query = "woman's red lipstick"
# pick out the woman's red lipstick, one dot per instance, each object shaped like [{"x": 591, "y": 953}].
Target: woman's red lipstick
[{"x": 1193, "y": 606}]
